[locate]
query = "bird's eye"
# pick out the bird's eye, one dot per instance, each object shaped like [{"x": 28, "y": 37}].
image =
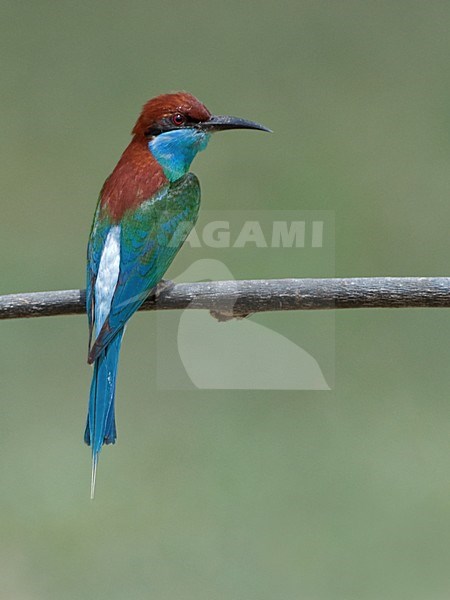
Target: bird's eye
[{"x": 178, "y": 119}]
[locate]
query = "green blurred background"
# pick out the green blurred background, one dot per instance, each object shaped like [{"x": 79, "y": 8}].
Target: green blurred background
[{"x": 220, "y": 495}]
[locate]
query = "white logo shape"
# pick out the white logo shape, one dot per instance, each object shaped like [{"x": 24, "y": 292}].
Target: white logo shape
[{"x": 240, "y": 354}]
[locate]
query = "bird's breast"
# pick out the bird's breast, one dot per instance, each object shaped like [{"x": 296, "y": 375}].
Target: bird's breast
[{"x": 136, "y": 178}]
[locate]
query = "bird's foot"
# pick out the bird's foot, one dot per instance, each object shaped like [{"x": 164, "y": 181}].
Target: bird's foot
[{"x": 163, "y": 286}]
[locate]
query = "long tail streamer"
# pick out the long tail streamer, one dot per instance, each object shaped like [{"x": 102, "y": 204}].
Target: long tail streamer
[{"x": 101, "y": 424}]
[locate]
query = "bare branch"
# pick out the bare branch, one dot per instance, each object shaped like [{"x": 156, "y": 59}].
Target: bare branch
[{"x": 238, "y": 298}]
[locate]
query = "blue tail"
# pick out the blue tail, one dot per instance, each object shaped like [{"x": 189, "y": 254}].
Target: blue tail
[{"x": 101, "y": 424}]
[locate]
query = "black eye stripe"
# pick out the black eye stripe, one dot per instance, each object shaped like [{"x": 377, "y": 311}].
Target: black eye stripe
[{"x": 167, "y": 124}]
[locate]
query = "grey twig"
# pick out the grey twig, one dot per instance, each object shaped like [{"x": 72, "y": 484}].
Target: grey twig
[{"x": 239, "y": 298}]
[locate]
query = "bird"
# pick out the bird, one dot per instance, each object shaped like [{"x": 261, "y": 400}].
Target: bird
[{"x": 146, "y": 209}]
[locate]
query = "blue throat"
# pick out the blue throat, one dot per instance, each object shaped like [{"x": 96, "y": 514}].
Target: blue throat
[{"x": 175, "y": 150}]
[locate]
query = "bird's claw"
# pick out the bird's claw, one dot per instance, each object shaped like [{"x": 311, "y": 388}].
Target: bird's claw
[{"x": 163, "y": 286}]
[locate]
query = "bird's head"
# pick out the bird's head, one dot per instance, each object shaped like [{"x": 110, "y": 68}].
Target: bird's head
[{"x": 177, "y": 126}]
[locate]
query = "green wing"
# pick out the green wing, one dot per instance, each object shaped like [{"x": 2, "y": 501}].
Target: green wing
[{"x": 150, "y": 237}]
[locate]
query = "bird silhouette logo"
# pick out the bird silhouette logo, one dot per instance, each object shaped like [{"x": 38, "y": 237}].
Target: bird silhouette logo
[{"x": 239, "y": 354}]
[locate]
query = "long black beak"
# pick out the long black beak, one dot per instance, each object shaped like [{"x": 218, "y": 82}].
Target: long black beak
[{"x": 222, "y": 122}]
